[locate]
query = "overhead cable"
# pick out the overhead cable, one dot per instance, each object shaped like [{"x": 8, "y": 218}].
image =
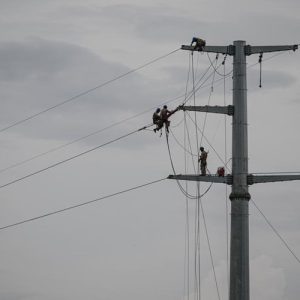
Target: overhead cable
[
  {"x": 226, "y": 186},
  {"x": 72, "y": 142},
  {"x": 216, "y": 69},
  {"x": 187, "y": 96},
  {"x": 208, "y": 102},
  {"x": 102, "y": 129},
  {"x": 199, "y": 200},
  {"x": 218, "y": 155},
  {"x": 81, "y": 204},
  {"x": 198, "y": 186},
  {"x": 179, "y": 185},
  {"x": 87, "y": 91},
  {"x": 73, "y": 157},
  {"x": 276, "y": 232},
  {"x": 106, "y": 83}
]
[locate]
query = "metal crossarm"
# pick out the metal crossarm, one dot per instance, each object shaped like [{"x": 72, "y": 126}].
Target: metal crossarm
[
  {"x": 262, "y": 49},
  {"x": 252, "y": 179},
  {"x": 226, "y": 110},
  {"x": 208, "y": 178},
  {"x": 215, "y": 49}
]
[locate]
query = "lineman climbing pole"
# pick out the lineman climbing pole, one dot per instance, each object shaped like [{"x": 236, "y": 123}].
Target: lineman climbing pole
[{"x": 240, "y": 179}]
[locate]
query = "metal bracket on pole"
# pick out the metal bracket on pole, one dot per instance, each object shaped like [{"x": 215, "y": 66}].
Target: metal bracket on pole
[
  {"x": 252, "y": 179},
  {"x": 230, "y": 50},
  {"x": 262, "y": 49},
  {"x": 226, "y": 110},
  {"x": 207, "y": 178}
]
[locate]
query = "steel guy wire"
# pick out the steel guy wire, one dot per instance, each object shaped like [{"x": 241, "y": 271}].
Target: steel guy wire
[
  {"x": 208, "y": 102},
  {"x": 73, "y": 157},
  {"x": 276, "y": 232},
  {"x": 87, "y": 91},
  {"x": 226, "y": 187},
  {"x": 199, "y": 200},
  {"x": 80, "y": 204},
  {"x": 197, "y": 267},
  {"x": 174, "y": 171},
  {"x": 220, "y": 158},
  {"x": 187, "y": 232},
  {"x": 181, "y": 146},
  {"x": 216, "y": 69},
  {"x": 89, "y": 135},
  {"x": 122, "y": 121}
]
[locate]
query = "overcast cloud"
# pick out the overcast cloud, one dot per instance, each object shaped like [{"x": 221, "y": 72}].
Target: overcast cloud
[{"x": 134, "y": 245}]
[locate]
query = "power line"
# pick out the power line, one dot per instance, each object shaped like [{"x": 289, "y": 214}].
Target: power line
[
  {"x": 276, "y": 232},
  {"x": 186, "y": 97},
  {"x": 81, "y": 204},
  {"x": 216, "y": 69},
  {"x": 87, "y": 91},
  {"x": 75, "y": 156},
  {"x": 71, "y": 142},
  {"x": 100, "y": 130},
  {"x": 218, "y": 155}
]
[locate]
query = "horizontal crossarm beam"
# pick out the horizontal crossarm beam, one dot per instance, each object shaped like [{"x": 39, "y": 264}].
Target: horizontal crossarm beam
[
  {"x": 262, "y": 49},
  {"x": 215, "y": 49},
  {"x": 227, "y": 110},
  {"x": 252, "y": 179},
  {"x": 208, "y": 178}
]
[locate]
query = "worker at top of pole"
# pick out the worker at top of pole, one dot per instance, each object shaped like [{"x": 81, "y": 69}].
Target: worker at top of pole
[{"x": 198, "y": 43}]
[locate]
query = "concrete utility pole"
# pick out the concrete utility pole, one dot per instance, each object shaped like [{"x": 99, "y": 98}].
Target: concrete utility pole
[{"x": 239, "y": 179}]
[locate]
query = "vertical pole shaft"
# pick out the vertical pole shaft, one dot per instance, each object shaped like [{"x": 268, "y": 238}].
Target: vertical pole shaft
[{"x": 239, "y": 244}]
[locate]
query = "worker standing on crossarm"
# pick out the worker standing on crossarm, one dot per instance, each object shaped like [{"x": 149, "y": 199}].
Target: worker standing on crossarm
[{"x": 203, "y": 161}]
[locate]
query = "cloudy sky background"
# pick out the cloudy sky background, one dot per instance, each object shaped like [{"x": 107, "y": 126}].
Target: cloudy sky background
[{"x": 133, "y": 246}]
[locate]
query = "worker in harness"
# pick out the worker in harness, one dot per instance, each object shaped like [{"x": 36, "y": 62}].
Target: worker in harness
[
  {"x": 198, "y": 43},
  {"x": 165, "y": 114},
  {"x": 160, "y": 118},
  {"x": 157, "y": 120},
  {"x": 203, "y": 161}
]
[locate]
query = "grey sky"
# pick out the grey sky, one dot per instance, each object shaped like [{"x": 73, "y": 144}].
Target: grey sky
[{"x": 133, "y": 246}]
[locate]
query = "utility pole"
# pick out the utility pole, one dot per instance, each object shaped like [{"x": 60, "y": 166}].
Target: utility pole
[{"x": 240, "y": 179}]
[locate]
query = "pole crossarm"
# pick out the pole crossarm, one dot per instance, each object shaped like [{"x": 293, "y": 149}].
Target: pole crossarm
[
  {"x": 207, "y": 178},
  {"x": 226, "y": 110},
  {"x": 262, "y": 49},
  {"x": 252, "y": 179},
  {"x": 215, "y": 49},
  {"x": 230, "y": 50}
]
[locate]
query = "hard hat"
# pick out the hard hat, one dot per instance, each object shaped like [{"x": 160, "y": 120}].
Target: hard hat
[
  {"x": 201, "y": 148},
  {"x": 158, "y": 110},
  {"x": 165, "y": 106}
]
